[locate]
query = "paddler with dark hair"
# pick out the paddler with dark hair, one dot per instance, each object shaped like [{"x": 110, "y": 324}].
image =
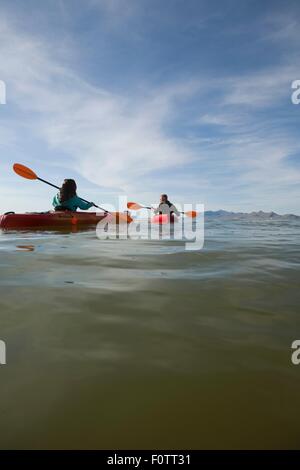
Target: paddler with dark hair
[
  {"x": 67, "y": 198},
  {"x": 166, "y": 207}
]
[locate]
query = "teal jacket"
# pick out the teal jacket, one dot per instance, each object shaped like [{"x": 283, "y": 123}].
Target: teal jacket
[{"x": 72, "y": 204}]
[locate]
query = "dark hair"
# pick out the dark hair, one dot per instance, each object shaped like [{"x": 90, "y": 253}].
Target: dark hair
[
  {"x": 67, "y": 191},
  {"x": 164, "y": 195}
]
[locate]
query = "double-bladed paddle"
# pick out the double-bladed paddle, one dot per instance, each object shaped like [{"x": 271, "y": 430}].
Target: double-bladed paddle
[
  {"x": 135, "y": 207},
  {"x": 29, "y": 174}
]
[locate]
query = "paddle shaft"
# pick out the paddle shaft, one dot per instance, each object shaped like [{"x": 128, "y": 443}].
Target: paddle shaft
[
  {"x": 84, "y": 200},
  {"x": 152, "y": 208}
]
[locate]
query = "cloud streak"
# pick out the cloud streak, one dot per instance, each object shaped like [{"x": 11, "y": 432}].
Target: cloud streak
[{"x": 112, "y": 139}]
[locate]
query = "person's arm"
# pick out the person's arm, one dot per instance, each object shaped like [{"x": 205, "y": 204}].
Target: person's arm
[
  {"x": 83, "y": 205},
  {"x": 55, "y": 201},
  {"x": 174, "y": 209}
]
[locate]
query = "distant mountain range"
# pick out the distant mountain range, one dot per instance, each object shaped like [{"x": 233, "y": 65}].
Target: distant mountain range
[{"x": 250, "y": 215}]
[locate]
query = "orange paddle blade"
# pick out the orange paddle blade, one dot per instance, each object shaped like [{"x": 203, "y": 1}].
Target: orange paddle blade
[
  {"x": 134, "y": 206},
  {"x": 25, "y": 172},
  {"x": 191, "y": 214}
]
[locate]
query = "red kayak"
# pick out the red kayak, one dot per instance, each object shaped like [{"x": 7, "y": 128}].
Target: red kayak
[
  {"x": 164, "y": 219},
  {"x": 64, "y": 219}
]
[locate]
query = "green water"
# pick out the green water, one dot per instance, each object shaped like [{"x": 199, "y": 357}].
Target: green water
[{"x": 136, "y": 344}]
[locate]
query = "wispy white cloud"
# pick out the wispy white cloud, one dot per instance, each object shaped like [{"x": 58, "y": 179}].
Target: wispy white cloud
[
  {"x": 281, "y": 27},
  {"x": 258, "y": 89},
  {"x": 112, "y": 139}
]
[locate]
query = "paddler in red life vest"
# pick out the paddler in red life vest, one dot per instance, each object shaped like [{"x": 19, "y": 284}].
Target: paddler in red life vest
[{"x": 166, "y": 207}]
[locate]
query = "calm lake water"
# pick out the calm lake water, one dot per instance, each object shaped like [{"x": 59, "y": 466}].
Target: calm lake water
[{"x": 141, "y": 344}]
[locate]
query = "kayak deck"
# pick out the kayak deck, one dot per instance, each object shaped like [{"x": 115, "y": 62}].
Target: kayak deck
[{"x": 61, "y": 219}]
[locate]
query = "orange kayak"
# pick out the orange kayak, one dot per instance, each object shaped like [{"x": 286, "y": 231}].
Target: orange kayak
[
  {"x": 64, "y": 219},
  {"x": 164, "y": 219}
]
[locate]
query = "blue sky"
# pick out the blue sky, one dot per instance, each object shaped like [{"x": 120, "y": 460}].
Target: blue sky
[{"x": 139, "y": 97}]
